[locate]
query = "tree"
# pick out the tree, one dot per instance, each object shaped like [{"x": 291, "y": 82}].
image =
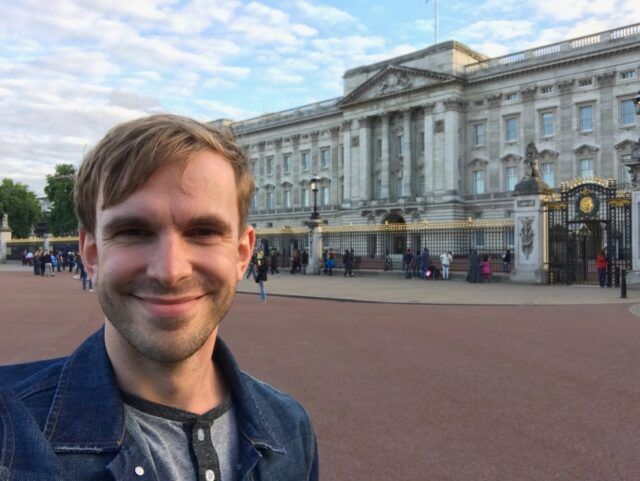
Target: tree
[
  {"x": 21, "y": 205},
  {"x": 59, "y": 190}
]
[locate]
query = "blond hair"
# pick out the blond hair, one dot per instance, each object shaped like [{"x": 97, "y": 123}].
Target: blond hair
[{"x": 132, "y": 151}]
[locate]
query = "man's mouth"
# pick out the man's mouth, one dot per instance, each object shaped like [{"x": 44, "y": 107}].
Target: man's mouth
[{"x": 168, "y": 306}]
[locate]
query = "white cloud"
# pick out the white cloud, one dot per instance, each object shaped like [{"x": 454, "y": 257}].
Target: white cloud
[
  {"x": 497, "y": 29},
  {"x": 324, "y": 13}
]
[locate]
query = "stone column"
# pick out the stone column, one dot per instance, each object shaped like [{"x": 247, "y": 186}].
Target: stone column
[
  {"x": 295, "y": 169},
  {"x": 5, "y": 236},
  {"x": 364, "y": 150},
  {"x": 277, "y": 165},
  {"x": 634, "y": 172},
  {"x": 335, "y": 164},
  {"x": 453, "y": 107},
  {"x": 262, "y": 199},
  {"x": 406, "y": 154},
  {"x": 493, "y": 138},
  {"x": 529, "y": 117},
  {"x": 315, "y": 245},
  {"x": 347, "y": 172},
  {"x": 429, "y": 186},
  {"x": 386, "y": 156},
  {"x": 604, "y": 133},
  {"x": 530, "y": 225},
  {"x": 315, "y": 153},
  {"x": 565, "y": 164}
]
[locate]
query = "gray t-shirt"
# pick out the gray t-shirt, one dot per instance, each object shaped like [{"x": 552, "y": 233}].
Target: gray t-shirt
[{"x": 183, "y": 446}]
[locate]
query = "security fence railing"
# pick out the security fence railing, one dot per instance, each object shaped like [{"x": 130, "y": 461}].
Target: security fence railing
[{"x": 373, "y": 244}]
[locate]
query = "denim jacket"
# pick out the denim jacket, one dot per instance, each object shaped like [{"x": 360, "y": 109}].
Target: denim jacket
[{"x": 64, "y": 419}]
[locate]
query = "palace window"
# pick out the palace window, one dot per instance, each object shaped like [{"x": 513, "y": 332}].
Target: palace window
[
  {"x": 399, "y": 189},
  {"x": 585, "y": 82},
  {"x": 287, "y": 199},
  {"x": 586, "y": 168},
  {"x": 511, "y": 178},
  {"x": 512, "y": 96},
  {"x": 324, "y": 158},
  {"x": 511, "y": 129},
  {"x": 627, "y": 113},
  {"x": 325, "y": 196},
  {"x": 269, "y": 200},
  {"x": 254, "y": 201},
  {"x": 478, "y": 181},
  {"x": 269, "y": 165},
  {"x": 304, "y": 160},
  {"x": 479, "y": 134},
  {"x": 546, "y": 90},
  {"x": 546, "y": 125},
  {"x": 549, "y": 174},
  {"x": 286, "y": 163},
  {"x": 378, "y": 188},
  {"x": 585, "y": 118},
  {"x": 420, "y": 189},
  {"x": 305, "y": 197},
  {"x": 628, "y": 75}
]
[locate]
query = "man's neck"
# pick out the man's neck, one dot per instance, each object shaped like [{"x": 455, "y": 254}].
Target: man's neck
[{"x": 192, "y": 385}]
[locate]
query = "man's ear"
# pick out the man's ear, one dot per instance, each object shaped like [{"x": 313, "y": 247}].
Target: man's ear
[
  {"x": 89, "y": 252},
  {"x": 245, "y": 249}
]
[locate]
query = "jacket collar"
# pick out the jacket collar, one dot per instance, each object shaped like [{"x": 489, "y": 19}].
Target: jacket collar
[{"x": 87, "y": 412}]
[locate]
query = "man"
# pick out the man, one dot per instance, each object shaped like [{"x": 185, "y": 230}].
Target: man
[{"x": 155, "y": 394}]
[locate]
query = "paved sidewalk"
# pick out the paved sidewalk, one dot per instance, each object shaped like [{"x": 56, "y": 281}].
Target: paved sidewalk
[
  {"x": 393, "y": 288},
  {"x": 396, "y": 289}
]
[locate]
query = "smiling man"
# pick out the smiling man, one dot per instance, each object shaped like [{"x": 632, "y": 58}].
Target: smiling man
[{"x": 155, "y": 394}]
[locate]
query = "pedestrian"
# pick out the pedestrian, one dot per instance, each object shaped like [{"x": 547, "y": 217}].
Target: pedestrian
[
  {"x": 506, "y": 261},
  {"x": 347, "y": 263},
  {"x": 86, "y": 280},
  {"x": 71, "y": 260},
  {"x": 417, "y": 266},
  {"x": 275, "y": 258},
  {"x": 445, "y": 261},
  {"x": 59, "y": 259},
  {"x": 485, "y": 268},
  {"x": 425, "y": 259},
  {"x": 407, "y": 259},
  {"x": 261, "y": 278},
  {"x": 601, "y": 265},
  {"x": 331, "y": 261},
  {"x": 295, "y": 262},
  {"x": 304, "y": 261},
  {"x": 155, "y": 394},
  {"x": 251, "y": 270},
  {"x": 473, "y": 274},
  {"x": 46, "y": 260},
  {"x": 36, "y": 263}
]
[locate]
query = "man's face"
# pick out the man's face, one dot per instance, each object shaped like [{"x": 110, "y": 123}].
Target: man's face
[{"x": 167, "y": 259}]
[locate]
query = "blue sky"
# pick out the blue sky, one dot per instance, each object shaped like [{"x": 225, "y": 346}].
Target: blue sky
[{"x": 71, "y": 69}]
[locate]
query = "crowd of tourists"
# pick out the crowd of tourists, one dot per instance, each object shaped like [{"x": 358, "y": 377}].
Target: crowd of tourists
[{"x": 48, "y": 262}]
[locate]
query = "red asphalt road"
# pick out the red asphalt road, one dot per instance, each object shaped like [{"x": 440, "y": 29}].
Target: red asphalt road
[{"x": 410, "y": 392}]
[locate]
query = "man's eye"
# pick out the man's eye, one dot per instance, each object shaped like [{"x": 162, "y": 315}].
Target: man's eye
[{"x": 203, "y": 232}]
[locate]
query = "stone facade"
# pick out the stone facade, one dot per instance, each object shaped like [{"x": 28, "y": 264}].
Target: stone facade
[{"x": 440, "y": 134}]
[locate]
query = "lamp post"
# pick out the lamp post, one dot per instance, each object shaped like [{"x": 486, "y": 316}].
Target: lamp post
[{"x": 314, "y": 187}]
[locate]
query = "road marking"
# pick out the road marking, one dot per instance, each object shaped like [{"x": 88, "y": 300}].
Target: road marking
[{"x": 635, "y": 309}]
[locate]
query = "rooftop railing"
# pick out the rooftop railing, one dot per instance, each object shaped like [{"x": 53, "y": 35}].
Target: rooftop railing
[{"x": 547, "y": 50}]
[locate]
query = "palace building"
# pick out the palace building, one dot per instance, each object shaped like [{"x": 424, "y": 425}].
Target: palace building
[{"x": 440, "y": 133}]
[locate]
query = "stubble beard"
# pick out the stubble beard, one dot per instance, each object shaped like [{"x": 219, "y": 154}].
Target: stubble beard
[{"x": 170, "y": 346}]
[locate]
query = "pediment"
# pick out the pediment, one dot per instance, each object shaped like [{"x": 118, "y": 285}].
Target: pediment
[
  {"x": 548, "y": 154},
  {"x": 478, "y": 163},
  {"x": 513, "y": 158},
  {"x": 625, "y": 144},
  {"x": 585, "y": 149},
  {"x": 393, "y": 80}
]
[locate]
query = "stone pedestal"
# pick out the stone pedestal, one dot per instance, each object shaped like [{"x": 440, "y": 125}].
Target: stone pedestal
[
  {"x": 5, "y": 236},
  {"x": 530, "y": 226},
  {"x": 315, "y": 244},
  {"x": 633, "y": 277}
]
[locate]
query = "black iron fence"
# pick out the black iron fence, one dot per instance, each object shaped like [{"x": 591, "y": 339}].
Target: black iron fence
[{"x": 379, "y": 247}]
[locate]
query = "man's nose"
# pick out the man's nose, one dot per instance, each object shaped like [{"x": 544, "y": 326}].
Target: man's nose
[{"x": 171, "y": 263}]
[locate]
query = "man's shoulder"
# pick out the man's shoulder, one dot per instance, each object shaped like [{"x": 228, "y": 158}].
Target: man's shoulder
[
  {"x": 271, "y": 400},
  {"x": 31, "y": 376}
]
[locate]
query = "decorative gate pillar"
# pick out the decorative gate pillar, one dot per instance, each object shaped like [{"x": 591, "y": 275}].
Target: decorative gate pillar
[
  {"x": 530, "y": 223},
  {"x": 634, "y": 173},
  {"x": 315, "y": 244},
  {"x": 5, "y": 236}
]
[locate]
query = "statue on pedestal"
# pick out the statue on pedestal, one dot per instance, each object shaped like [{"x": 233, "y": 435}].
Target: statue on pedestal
[{"x": 531, "y": 182}]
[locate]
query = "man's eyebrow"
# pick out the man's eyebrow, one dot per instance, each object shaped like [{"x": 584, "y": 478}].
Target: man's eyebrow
[
  {"x": 212, "y": 222},
  {"x": 126, "y": 222}
]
